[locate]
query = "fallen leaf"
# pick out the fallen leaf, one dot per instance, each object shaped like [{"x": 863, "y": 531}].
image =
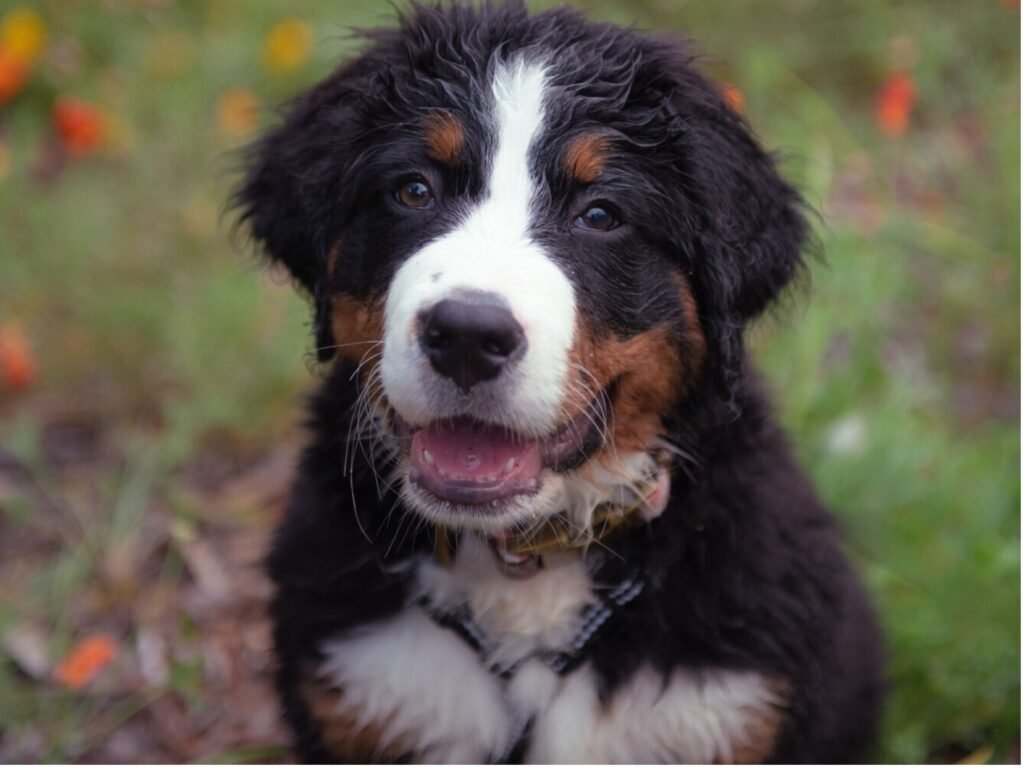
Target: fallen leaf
[
  {"x": 151, "y": 649},
  {"x": 27, "y": 646},
  {"x": 17, "y": 366},
  {"x": 86, "y": 660},
  {"x": 205, "y": 566}
]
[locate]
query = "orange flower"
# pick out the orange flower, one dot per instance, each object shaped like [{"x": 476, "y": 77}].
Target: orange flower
[
  {"x": 23, "y": 34},
  {"x": 80, "y": 125},
  {"x": 895, "y": 102},
  {"x": 734, "y": 97},
  {"x": 17, "y": 366},
  {"x": 86, "y": 660},
  {"x": 238, "y": 112},
  {"x": 13, "y": 74},
  {"x": 287, "y": 46}
]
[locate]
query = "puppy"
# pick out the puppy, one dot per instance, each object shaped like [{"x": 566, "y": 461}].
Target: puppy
[{"x": 546, "y": 514}]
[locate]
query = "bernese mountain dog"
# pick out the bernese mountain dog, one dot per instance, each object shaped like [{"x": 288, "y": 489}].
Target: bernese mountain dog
[{"x": 546, "y": 514}]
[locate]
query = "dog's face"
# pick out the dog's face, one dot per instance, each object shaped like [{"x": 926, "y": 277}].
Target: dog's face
[{"x": 535, "y": 237}]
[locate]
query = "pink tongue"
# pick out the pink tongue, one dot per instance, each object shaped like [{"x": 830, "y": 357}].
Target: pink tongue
[
  {"x": 470, "y": 463},
  {"x": 469, "y": 451}
]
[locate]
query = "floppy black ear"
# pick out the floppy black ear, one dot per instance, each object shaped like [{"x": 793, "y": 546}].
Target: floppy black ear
[
  {"x": 293, "y": 196},
  {"x": 747, "y": 227}
]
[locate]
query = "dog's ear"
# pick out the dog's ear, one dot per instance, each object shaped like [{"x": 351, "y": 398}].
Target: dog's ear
[
  {"x": 746, "y": 230},
  {"x": 292, "y": 198}
]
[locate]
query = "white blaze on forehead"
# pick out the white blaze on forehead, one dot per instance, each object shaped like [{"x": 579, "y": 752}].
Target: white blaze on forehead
[
  {"x": 519, "y": 106},
  {"x": 490, "y": 250}
]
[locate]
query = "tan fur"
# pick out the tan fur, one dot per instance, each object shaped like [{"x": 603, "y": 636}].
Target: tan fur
[
  {"x": 332, "y": 262},
  {"x": 342, "y": 731},
  {"x": 445, "y": 137},
  {"x": 653, "y": 368},
  {"x": 358, "y": 327},
  {"x": 586, "y": 156},
  {"x": 762, "y": 734},
  {"x": 760, "y": 739}
]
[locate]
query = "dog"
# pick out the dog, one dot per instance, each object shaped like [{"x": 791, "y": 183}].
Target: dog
[{"x": 546, "y": 514}]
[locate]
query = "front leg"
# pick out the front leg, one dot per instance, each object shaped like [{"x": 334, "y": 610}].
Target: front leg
[
  {"x": 687, "y": 716},
  {"x": 404, "y": 690}
]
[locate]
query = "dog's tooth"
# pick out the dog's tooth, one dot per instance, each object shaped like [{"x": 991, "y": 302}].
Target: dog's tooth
[
  {"x": 427, "y": 457},
  {"x": 510, "y": 465}
]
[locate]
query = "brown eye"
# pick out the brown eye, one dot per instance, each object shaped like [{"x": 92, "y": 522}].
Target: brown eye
[
  {"x": 415, "y": 193},
  {"x": 597, "y": 217}
]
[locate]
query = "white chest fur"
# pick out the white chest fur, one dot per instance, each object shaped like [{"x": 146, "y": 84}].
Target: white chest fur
[{"x": 425, "y": 688}]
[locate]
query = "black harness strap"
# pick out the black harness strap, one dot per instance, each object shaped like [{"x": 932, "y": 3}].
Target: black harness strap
[{"x": 593, "y": 619}]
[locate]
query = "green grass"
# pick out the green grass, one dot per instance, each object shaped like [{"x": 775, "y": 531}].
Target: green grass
[{"x": 897, "y": 374}]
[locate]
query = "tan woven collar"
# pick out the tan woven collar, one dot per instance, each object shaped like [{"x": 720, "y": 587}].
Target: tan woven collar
[{"x": 556, "y": 535}]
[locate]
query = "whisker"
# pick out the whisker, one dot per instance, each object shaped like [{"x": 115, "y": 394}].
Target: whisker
[{"x": 330, "y": 347}]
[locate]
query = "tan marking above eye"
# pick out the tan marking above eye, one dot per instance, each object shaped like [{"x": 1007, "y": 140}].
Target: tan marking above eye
[
  {"x": 445, "y": 137},
  {"x": 586, "y": 156}
]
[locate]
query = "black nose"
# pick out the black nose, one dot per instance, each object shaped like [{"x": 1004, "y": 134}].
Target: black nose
[{"x": 470, "y": 340}]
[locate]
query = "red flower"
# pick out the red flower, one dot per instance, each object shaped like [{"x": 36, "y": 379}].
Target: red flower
[
  {"x": 895, "y": 102},
  {"x": 13, "y": 74},
  {"x": 17, "y": 366},
  {"x": 80, "y": 125}
]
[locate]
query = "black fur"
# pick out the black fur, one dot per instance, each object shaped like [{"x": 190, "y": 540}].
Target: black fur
[{"x": 744, "y": 568}]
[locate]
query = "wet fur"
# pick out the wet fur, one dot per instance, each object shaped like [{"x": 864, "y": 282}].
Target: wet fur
[{"x": 744, "y": 569}]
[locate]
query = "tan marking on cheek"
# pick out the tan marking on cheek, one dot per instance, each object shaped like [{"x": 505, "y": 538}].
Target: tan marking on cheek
[
  {"x": 653, "y": 370},
  {"x": 445, "y": 137},
  {"x": 343, "y": 731},
  {"x": 358, "y": 327},
  {"x": 585, "y": 157},
  {"x": 648, "y": 372}
]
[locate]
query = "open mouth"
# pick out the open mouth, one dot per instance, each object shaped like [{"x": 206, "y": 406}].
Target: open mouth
[
  {"x": 476, "y": 474},
  {"x": 472, "y": 464}
]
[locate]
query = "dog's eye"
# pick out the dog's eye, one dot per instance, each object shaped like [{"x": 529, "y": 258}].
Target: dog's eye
[
  {"x": 597, "y": 217},
  {"x": 415, "y": 193}
]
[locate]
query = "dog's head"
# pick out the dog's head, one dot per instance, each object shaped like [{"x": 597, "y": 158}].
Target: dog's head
[{"x": 535, "y": 236}]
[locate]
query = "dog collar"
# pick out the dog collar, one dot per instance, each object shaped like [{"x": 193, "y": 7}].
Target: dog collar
[{"x": 557, "y": 536}]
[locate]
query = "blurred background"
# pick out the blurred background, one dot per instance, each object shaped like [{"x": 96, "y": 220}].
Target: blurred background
[{"x": 152, "y": 376}]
